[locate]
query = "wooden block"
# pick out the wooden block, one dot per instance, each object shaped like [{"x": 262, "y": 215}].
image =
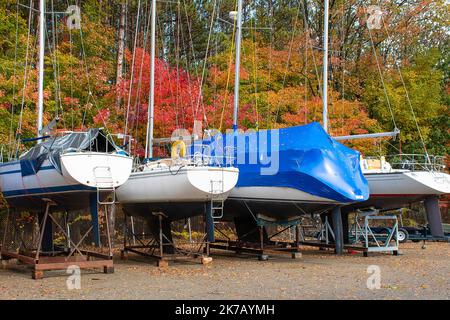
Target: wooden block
[
  {"x": 108, "y": 270},
  {"x": 4, "y": 264},
  {"x": 37, "y": 275},
  {"x": 296, "y": 255},
  {"x": 162, "y": 263},
  {"x": 263, "y": 257},
  {"x": 206, "y": 260}
]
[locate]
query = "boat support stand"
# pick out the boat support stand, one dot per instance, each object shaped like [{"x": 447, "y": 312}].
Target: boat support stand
[
  {"x": 267, "y": 243},
  {"x": 45, "y": 257},
  {"x": 160, "y": 246}
]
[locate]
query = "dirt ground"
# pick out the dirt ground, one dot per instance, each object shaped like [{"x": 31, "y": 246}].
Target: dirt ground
[{"x": 416, "y": 274}]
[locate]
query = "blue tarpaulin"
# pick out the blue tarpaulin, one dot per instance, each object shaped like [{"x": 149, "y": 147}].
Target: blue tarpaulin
[{"x": 303, "y": 157}]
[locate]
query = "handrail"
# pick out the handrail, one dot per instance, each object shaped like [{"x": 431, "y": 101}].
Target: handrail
[{"x": 414, "y": 162}]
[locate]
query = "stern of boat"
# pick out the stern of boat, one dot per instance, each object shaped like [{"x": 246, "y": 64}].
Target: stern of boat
[
  {"x": 216, "y": 181},
  {"x": 96, "y": 169}
]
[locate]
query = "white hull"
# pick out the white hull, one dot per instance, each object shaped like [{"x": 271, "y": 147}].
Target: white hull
[
  {"x": 275, "y": 194},
  {"x": 96, "y": 170},
  {"x": 178, "y": 184},
  {"x": 13, "y": 184},
  {"x": 400, "y": 188},
  {"x": 408, "y": 183}
]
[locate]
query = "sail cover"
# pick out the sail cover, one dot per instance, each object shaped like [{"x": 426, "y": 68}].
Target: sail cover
[
  {"x": 51, "y": 149},
  {"x": 303, "y": 157}
]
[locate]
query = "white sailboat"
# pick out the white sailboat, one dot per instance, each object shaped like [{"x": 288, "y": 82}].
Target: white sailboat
[
  {"x": 70, "y": 170},
  {"x": 180, "y": 186},
  {"x": 404, "y": 180}
]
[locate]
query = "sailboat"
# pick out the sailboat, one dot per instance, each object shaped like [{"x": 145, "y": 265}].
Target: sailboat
[
  {"x": 71, "y": 170},
  {"x": 315, "y": 173},
  {"x": 403, "y": 181},
  {"x": 181, "y": 186}
]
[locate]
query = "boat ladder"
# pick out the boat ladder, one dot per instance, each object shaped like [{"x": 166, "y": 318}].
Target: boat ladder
[
  {"x": 105, "y": 185},
  {"x": 217, "y": 200}
]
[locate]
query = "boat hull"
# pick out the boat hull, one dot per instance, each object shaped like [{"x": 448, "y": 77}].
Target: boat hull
[
  {"x": 277, "y": 203},
  {"x": 96, "y": 169},
  {"x": 31, "y": 192},
  {"x": 177, "y": 192},
  {"x": 399, "y": 189},
  {"x": 28, "y": 192}
]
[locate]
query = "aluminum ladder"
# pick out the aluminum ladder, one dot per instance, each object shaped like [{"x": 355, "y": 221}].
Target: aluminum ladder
[
  {"x": 217, "y": 201},
  {"x": 105, "y": 184}
]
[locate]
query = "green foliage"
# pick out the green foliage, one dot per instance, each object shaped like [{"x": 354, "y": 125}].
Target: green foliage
[{"x": 423, "y": 83}]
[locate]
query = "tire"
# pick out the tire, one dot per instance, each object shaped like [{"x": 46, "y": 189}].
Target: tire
[{"x": 402, "y": 235}]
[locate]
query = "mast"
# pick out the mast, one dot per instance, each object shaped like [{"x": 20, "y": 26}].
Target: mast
[
  {"x": 41, "y": 66},
  {"x": 151, "y": 104},
  {"x": 238, "y": 64},
  {"x": 325, "y": 67}
]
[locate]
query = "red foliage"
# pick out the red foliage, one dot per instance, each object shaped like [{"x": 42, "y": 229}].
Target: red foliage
[{"x": 177, "y": 100}]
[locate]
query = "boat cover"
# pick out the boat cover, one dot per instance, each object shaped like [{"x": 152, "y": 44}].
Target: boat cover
[
  {"x": 302, "y": 157},
  {"x": 32, "y": 160}
]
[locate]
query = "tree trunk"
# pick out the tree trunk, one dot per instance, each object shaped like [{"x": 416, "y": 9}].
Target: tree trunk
[{"x": 120, "y": 50}]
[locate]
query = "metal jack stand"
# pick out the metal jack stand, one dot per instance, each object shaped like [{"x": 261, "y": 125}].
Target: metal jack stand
[
  {"x": 375, "y": 242},
  {"x": 73, "y": 255},
  {"x": 157, "y": 247}
]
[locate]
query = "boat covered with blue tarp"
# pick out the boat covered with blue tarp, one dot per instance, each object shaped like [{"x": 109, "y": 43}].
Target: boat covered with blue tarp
[{"x": 287, "y": 172}]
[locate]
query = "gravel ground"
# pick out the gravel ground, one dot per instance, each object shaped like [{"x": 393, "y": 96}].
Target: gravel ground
[{"x": 416, "y": 274}]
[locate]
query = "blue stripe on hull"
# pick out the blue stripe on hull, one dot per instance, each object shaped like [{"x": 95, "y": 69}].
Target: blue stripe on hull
[{"x": 49, "y": 190}]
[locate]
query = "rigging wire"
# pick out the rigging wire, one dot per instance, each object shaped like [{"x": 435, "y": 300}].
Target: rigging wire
[
  {"x": 25, "y": 83},
  {"x": 11, "y": 133},
  {"x": 90, "y": 95},
  {"x": 343, "y": 67},
  {"x": 271, "y": 47},
  {"x": 127, "y": 114},
  {"x": 306, "y": 71},
  {"x": 191, "y": 41},
  {"x": 408, "y": 99},
  {"x": 310, "y": 45},
  {"x": 56, "y": 65},
  {"x": 177, "y": 60},
  {"x": 382, "y": 79},
  {"x": 138, "y": 100},
  {"x": 72, "y": 116},
  {"x": 232, "y": 48},
  {"x": 255, "y": 67},
  {"x": 291, "y": 44},
  {"x": 200, "y": 94}
]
